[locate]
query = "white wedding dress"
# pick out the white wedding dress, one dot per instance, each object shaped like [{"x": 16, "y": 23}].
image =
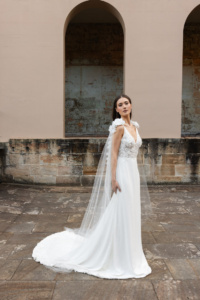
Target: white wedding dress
[{"x": 114, "y": 249}]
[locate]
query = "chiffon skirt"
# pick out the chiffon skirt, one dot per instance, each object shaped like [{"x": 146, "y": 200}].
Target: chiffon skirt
[{"x": 114, "y": 249}]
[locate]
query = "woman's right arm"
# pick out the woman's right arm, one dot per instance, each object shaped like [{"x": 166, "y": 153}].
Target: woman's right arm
[{"x": 116, "y": 140}]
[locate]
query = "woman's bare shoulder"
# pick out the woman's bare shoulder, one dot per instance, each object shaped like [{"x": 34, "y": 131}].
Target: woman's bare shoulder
[
  {"x": 120, "y": 128},
  {"x": 119, "y": 132}
]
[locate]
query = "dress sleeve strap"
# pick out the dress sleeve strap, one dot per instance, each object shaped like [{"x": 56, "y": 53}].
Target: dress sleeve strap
[
  {"x": 135, "y": 124},
  {"x": 115, "y": 123}
]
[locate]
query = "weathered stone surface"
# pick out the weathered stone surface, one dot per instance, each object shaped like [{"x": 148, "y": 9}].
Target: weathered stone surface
[
  {"x": 173, "y": 158},
  {"x": 172, "y": 250},
  {"x": 68, "y": 180},
  {"x": 165, "y": 170},
  {"x": 89, "y": 170},
  {"x": 35, "y": 170},
  {"x": 169, "y": 179},
  {"x": 147, "y": 238},
  {"x": 162, "y": 251},
  {"x": 74, "y": 218},
  {"x": 87, "y": 180},
  {"x": 181, "y": 269},
  {"x": 80, "y": 157},
  {"x": 75, "y": 159},
  {"x": 21, "y": 227},
  {"x": 48, "y": 227},
  {"x": 52, "y": 159},
  {"x": 5, "y": 237},
  {"x": 5, "y": 251},
  {"x": 107, "y": 289},
  {"x": 170, "y": 208},
  {"x": 7, "y": 268},
  {"x": 31, "y": 270},
  {"x": 21, "y": 251},
  {"x": 48, "y": 170},
  {"x": 195, "y": 265},
  {"x": 14, "y": 159},
  {"x": 159, "y": 270},
  {"x": 4, "y": 225},
  {"x": 11, "y": 210},
  {"x": 70, "y": 170},
  {"x": 31, "y": 159},
  {"x": 75, "y": 276},
  {"x": 23, "y": 238},
  {"x": 190, "y": 93},
  {"x": 181, "y": 227},
  {"x": 152, "y": 226},
  {"x": 97, "y": 157},
  {"x": 88, "y": 160},
  {"x": 183, "y": 170},
  {"x": 30, "y": 290},
  {"x": 45, "y": 179},
  {"x": 176, "y": 237},
  {"x": 17, "y": 171},
  {"x": 92, "y": 80},
  {"x": 178, "y": 218},
  {"x": 177, "y": 290}
]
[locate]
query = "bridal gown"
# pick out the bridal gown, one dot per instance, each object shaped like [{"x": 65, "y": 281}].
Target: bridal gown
[{"x": 114, "y": 249}]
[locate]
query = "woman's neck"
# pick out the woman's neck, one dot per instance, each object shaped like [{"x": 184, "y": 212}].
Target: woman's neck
[{"x": 127, "y": 120}]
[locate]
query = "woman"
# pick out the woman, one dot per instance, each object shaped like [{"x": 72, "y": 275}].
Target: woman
[{"x": 108, "y": 242}]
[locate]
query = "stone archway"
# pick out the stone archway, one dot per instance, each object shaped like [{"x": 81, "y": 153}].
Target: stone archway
[
  {"x": 94, "y": 48},
  {"x": 191, "y": 75}
]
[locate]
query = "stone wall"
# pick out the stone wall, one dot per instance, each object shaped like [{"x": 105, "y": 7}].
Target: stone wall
[
  {"x": 191, "y": 80},
  {"x": 2, "y": 157},
  {"x": 93, "y": 76},
  {"x": 74, "y": 162}
]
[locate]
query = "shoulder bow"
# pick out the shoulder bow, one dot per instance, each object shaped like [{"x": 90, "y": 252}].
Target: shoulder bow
[{"x": 116, "y": 123}]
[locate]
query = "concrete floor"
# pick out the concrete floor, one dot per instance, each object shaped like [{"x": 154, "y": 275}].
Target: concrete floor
[{"x": 171, "y": 243}]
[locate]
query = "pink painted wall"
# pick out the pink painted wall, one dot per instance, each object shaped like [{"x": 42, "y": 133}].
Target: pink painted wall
[{"x": 32, "y": 64}]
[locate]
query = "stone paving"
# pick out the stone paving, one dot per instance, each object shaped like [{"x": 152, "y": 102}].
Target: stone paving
[{"x": 171, "y": 243}]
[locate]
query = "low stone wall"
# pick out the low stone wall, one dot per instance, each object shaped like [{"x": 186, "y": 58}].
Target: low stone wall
[{"x": 73, "y": 162}]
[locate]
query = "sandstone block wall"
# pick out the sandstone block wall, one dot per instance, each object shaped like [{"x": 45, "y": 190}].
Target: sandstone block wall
[{"x": 74, "y": 162}]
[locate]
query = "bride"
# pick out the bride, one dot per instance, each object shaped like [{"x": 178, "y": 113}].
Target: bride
[{"x": 108, "y": 243}]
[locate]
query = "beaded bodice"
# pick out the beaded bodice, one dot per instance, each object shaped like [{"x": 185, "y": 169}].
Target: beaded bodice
[{"x": 128, "y": 147}]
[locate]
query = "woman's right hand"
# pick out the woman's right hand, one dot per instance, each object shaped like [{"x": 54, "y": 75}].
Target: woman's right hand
[{"x": 115, "y": 186}]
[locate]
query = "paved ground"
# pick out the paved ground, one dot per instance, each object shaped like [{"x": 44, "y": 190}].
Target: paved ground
[{"x": 171, "y": 244}]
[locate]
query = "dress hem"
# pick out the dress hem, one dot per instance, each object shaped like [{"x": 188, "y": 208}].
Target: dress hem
[{"x": 92, "y": 273}]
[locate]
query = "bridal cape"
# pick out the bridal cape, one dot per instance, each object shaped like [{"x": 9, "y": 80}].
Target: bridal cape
[{"x": 108, "y": 243}]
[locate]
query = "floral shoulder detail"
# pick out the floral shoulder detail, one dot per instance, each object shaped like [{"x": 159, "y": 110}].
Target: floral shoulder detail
[
  {"x": 115, "y": 123},
  {"x": 135, "y": 124}
]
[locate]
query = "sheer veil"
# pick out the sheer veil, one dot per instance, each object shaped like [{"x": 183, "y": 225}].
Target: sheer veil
[{"x": 102, "y": 189}]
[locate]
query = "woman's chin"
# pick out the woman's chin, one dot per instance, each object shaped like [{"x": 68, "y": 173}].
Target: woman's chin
[{"x": 125, "y": 114}]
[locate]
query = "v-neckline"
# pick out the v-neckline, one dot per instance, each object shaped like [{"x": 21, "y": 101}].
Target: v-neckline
[{"x": 131, "y": 134}]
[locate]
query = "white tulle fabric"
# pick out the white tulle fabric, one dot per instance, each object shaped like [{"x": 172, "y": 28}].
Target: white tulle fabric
[{"x": 111, "y": 248}]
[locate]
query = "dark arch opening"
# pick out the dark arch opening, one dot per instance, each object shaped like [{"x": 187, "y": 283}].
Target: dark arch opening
[
  {"x": 191, "y": 75},
  {"x": 94, "y": 55}
]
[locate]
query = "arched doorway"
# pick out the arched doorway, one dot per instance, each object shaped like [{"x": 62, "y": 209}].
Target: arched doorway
[
  {"x": 94, "y": 47},
  {"x": 191, "y": 75}
]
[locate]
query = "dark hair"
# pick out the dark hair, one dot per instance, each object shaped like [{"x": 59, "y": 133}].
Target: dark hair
[{"x": 115, "y": 114}]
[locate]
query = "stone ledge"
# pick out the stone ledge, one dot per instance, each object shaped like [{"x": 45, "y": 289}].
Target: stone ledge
[{"x": 74, "y": 161}]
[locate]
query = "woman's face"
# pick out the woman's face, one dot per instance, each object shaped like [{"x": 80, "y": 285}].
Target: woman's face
[{"x": 123, "y": 107}]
